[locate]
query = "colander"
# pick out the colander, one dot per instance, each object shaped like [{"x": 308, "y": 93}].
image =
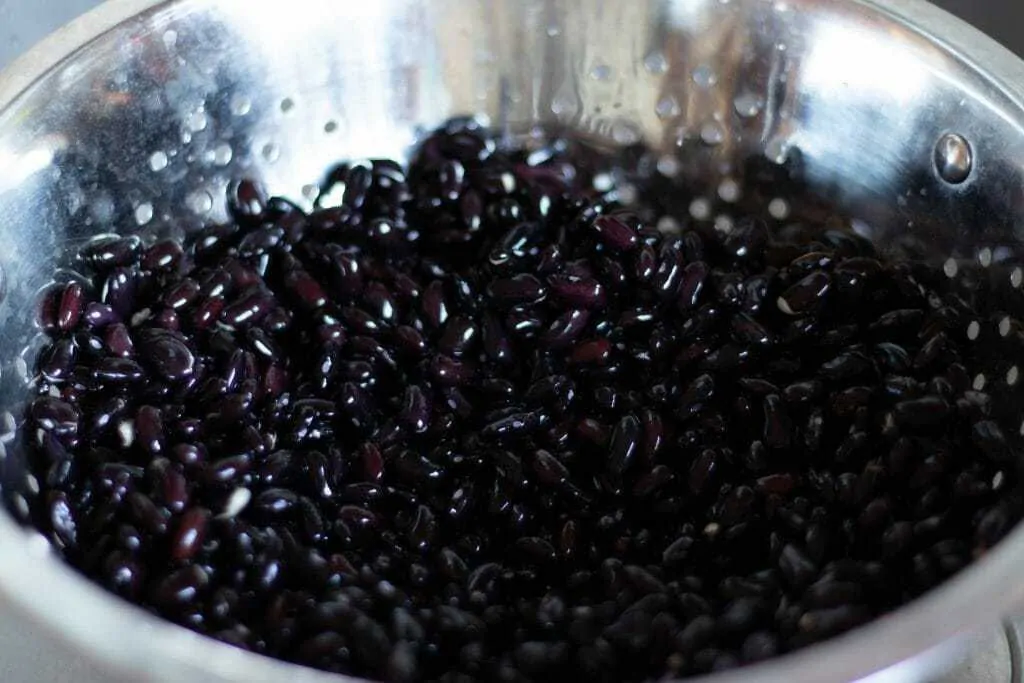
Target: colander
[{"x": 137, "y": 116}]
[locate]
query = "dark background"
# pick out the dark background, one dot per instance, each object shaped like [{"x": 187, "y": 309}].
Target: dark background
[{"x": 1001, "y": 19}]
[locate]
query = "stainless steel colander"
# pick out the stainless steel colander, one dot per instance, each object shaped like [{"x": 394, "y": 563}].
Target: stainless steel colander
[{"x": 135, "y": 118}]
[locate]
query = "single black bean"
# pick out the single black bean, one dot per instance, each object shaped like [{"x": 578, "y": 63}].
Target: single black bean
[
  {"x": 806, "y": 295},
  {"x": 624, "y": 444},
  {"x": 190, "y": 534},
  {"x": 923, "y": 412},
  {"x": 777, "y": 426},
  {"x": 615, "y": 233},
  {"x": 247, "y": 200}
]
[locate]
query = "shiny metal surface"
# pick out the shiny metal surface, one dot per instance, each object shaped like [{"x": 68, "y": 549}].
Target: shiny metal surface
[
  {"x": 136, "y": 117},
  {"x": 953, "y": 158}
]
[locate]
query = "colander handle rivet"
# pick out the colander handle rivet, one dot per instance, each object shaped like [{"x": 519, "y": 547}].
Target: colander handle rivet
[{"x": 953, "y": 158}]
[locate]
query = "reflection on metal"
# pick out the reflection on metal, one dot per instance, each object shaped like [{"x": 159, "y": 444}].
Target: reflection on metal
[{"x": 953, "y": 158}]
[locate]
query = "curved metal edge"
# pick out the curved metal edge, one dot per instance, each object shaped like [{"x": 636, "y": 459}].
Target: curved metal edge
[
  {"x": 981, "y": 53},
  {"x": 35, "y": 583}
]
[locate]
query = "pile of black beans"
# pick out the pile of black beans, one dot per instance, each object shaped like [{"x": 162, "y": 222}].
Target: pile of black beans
[{"x": 479, "y": 419}]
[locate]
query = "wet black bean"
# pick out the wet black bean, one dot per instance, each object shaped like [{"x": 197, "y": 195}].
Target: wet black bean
[
  {"x": 57, "y": 362},
  {"x": 704, "y": 468},
  {"x": 146, "y": 514},
  {"x": 114, "y": 370},
  {"x": 435, "y": 308},
  {"x": 777, "y": 426},
  {"x": 518, "y": 289},
  {"x": 188, "y": 537},
  {"x": 164, "y": 255},
  {"x": 923, "y": 412},
  {"x": 696, "y": 396},
  {"x": 169, "y": 357},
  {"x": 749, "y": 332},
  {"x": 566, "y": 328},
  {"x": 988, "y": 436},
  {"x": 806, "y": 295},
  {"x": 105, "y": 252},
  {"x": 415, "y": 409},
  {"x": 796, "y": 567},
  {"x": 180, "y": 588},
  {"x": 624, "y": 445},
  {"x": 616, "y": 233},
  {"x": 423, "y": 529},
  {"x": 668, "y": 277},
  {"x": 247, "y": 200},
  {"x": 692, "y": 284},
  {"x": 846, "y": 366},
  {"x": 578, "y": 292}
]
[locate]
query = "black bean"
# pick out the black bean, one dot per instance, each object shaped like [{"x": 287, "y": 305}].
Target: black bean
[
  {"x": 923, "y": 412},
  {"x": 57, "y": 362},
  {"x": 777, "y": 426},
  {"x": 566, "y": 328},
  {"x": 932, "y": 351},
  {"x": 806, "y": 295},
  {"x": 668, "y": 277},
  {"x": 678, "y": 551},
  {"x": 803, "y": 392},
  {"x": 692, "y": 284},
  {"x": 988, "y": 436},
  {"x": 180, "y": 588},
  {"x": 146, "y": 514},
  {"x": 624, "y": 444},
  {"x": 696, "y": 634},
  {"x": 749, "y": 332},
  {"x": 697, "y": 395},
  {"x": 249, "y": 309},
  {"x": 435, "y": 308},
  {"x": 423, "y": 530},
  {"x": 163, "y": 255},
  {"x": 824, "y": 622},
  {"x": 548, "y": 468},
  {"x": 518, "y": 289},
  {"x": 247, "y": 200},
  {"x": 70, "y": 307},
  {"x": 115, "y": 370},
  {"x": 846, "y": 366},
  {"x": 796, "y": 567},
  {"x": 189, "y": 536},
  {"x": 703, "y": 470},
  {"x": 615, "y": 233},
  {"x": 228, "y": 469},
  {"x": 149, "y": 429},
  {"x": 848, "y": 402},
  {"x": 415, "y": 409},
  {"x": 105, "y": 252},
  {"x": 577, "y": 292}
]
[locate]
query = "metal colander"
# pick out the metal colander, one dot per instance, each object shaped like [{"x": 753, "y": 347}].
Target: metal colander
[{"x": 136, "y": 118}]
